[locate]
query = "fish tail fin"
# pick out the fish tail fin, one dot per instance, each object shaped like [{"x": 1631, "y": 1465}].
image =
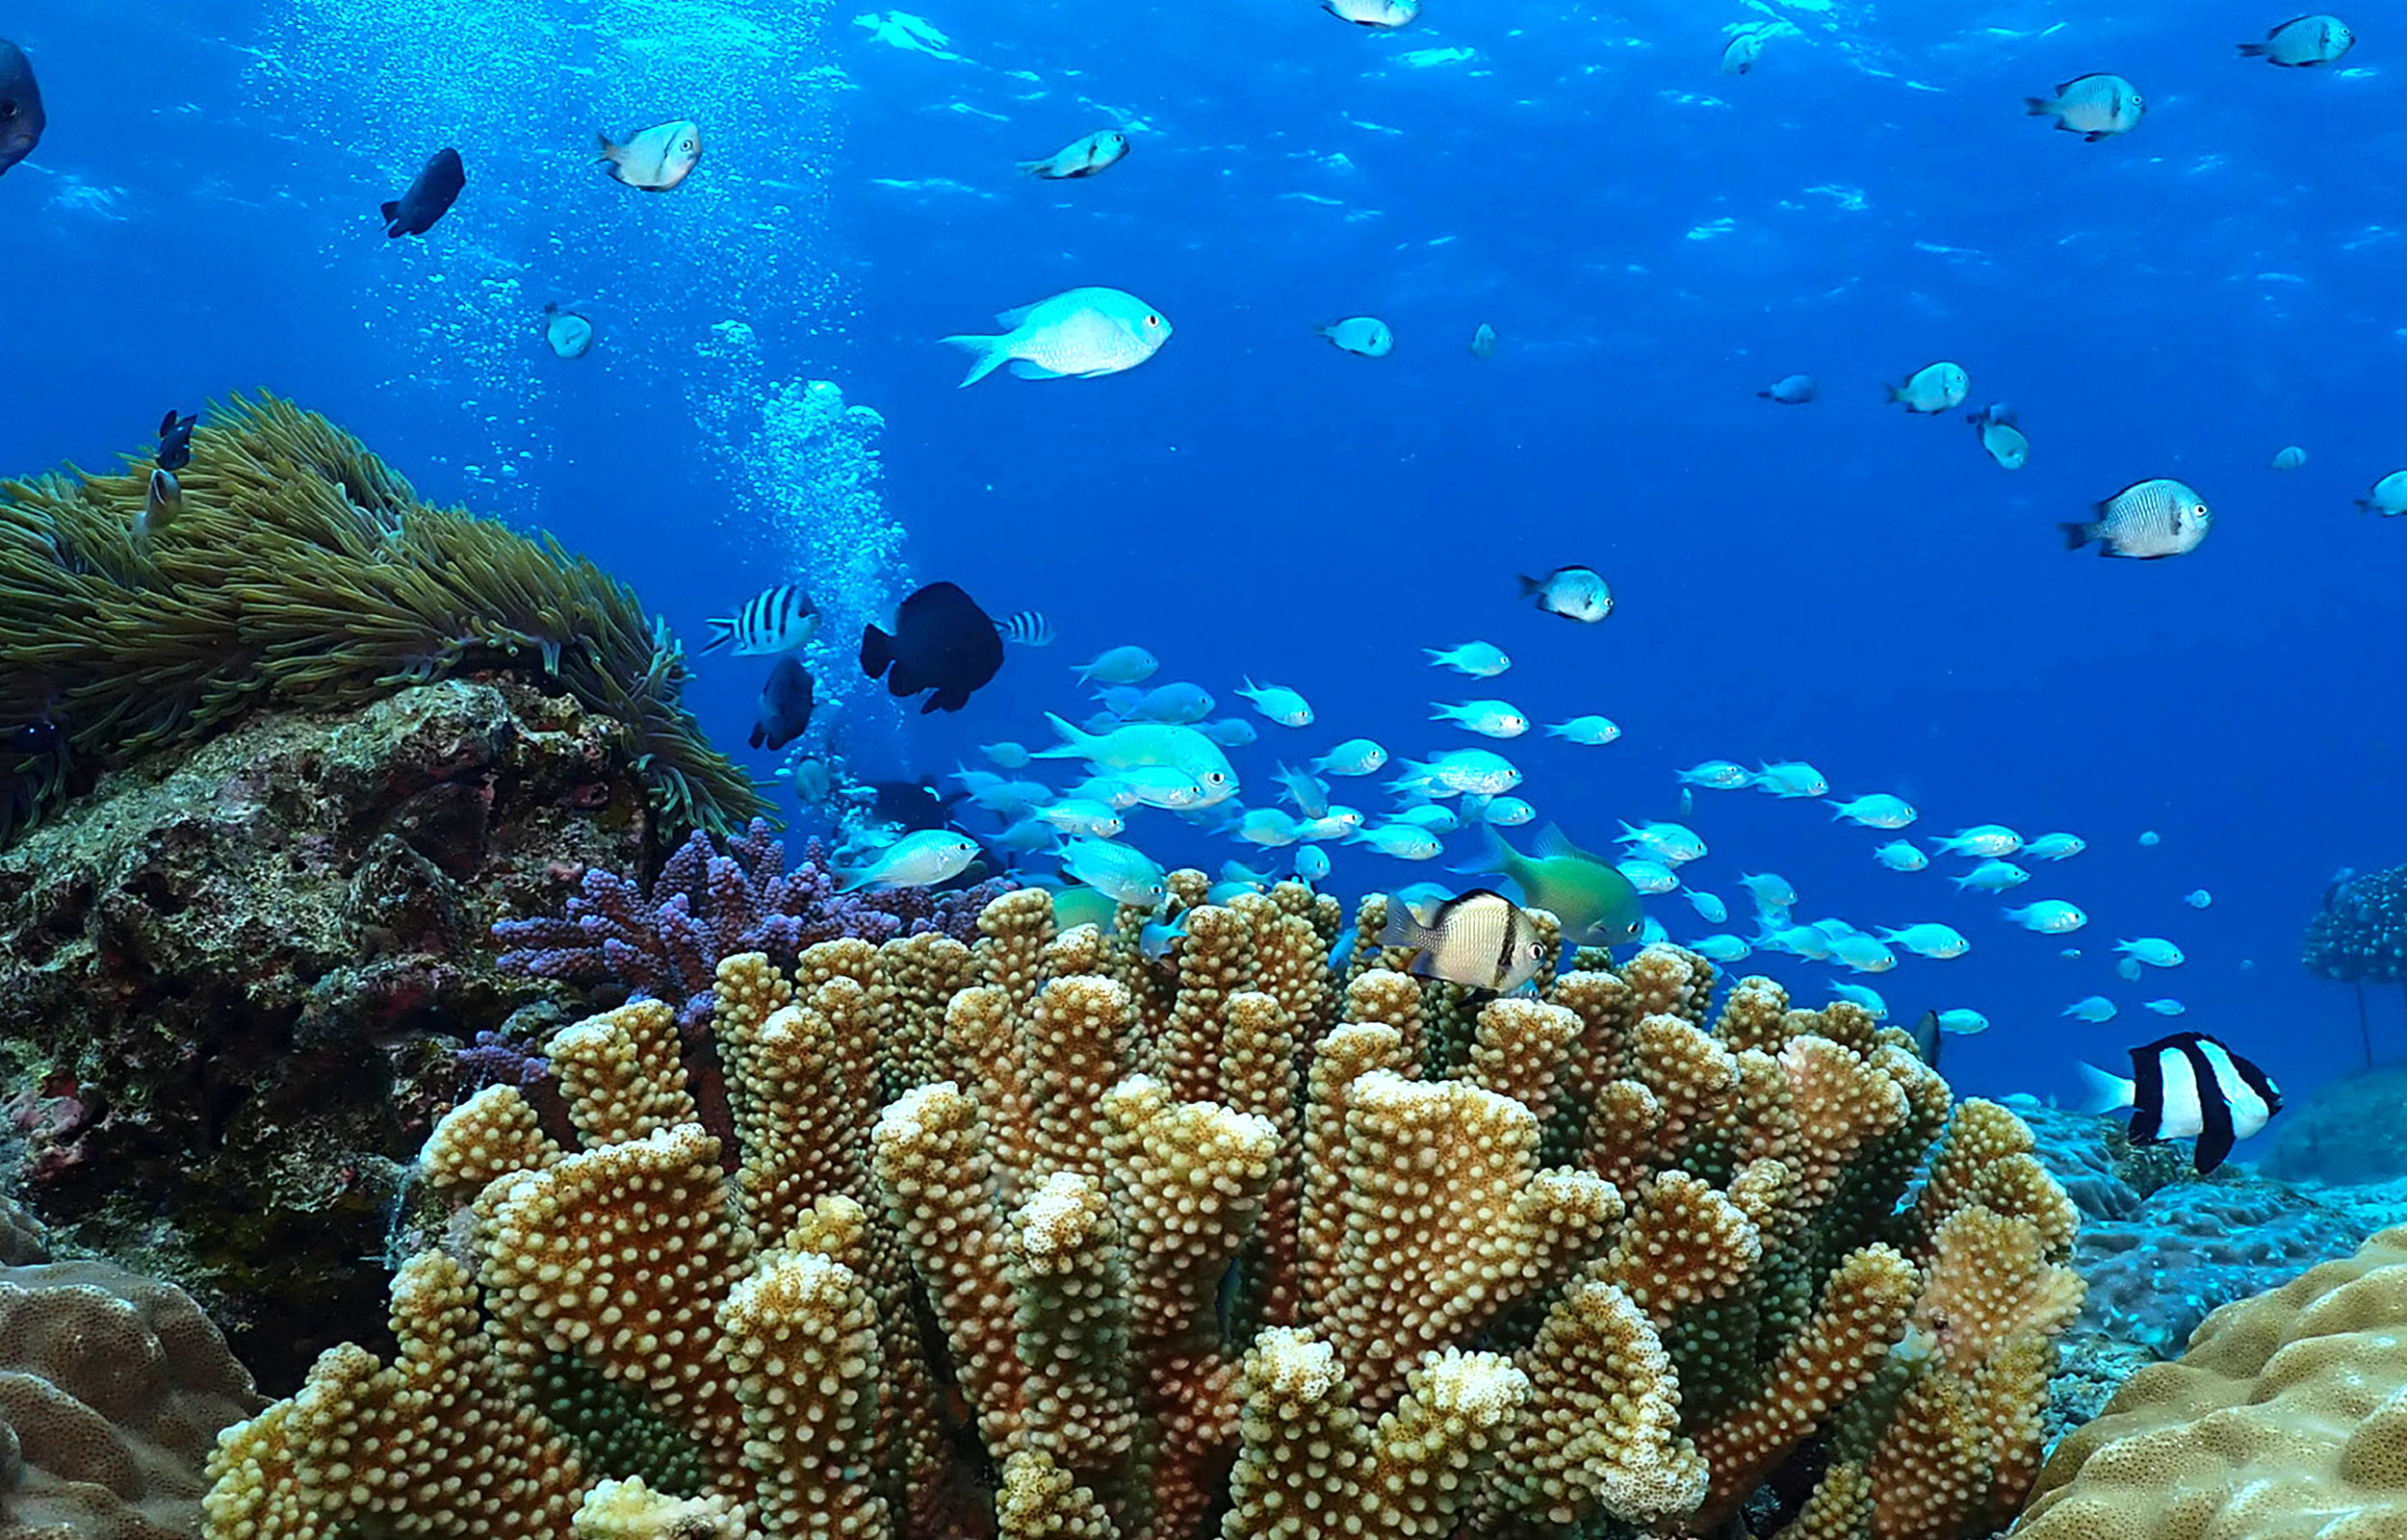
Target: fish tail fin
[
  {"x": 604, "y": 149},
  {"x": 2364, "y": 504},
  {"x": 1892, "y": 393},
  {"x": 2254, "y": 50},
  {"x": 877, "y": 650},
  {"x": 2077, "y": 535},
  {"x": 990, "y": 356},
  {"x": 389, "y": 210},
  {"x": 2102, "y": 1092},
  {"x": 2037, "y": 107},
  {"x": 1531, "y": 585},
  {"x": 1034, "y": 167},
  {"x": 1404, "y": 928},
  {"x": 1556, "y": 729},
  {"x": 723, "y": 631},
  {"x": 1072, "y": 744}
]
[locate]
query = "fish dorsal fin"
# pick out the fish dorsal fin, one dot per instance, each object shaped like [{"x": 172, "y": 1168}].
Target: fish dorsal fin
[
  {"x": 1553, "y": 844},
  {"x": 1011, "y": 319}
]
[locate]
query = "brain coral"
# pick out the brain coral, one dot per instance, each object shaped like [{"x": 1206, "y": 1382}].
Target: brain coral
[{"x": 2286, "y": 1420}]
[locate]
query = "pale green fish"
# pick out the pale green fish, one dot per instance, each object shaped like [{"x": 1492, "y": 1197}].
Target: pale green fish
[
  {"x": 1110, "y": 790},
  {"x": 1374, "y": 12},
  {"x": 2090, "y": 1007},
  {"x": 1074, "y": 907},
  {"x": 1459, "y": 771},
  {"x": 1311, "y": 863},
  {"x": 1225, "y": 894},
  {"x": 1083, "y": 816},
  {"x": 1721, "y": 948},
  {"x": 2145, "y": 521},
  {"x": 1864, "y": 954},
  {"x": 1867, "y": 998},
  {"x": 2289, "y": 459},
  {"x": 1647, "y": 875},
  {"x": 1992, "y": 877},
  {"x": 1237, "y": 871},
  {"x": 1096, "y": 152},
  {"x": 1367, "y": 336},
  {"x": 1403, "y": 841},
  {"x": 1482, "y": 660},
  {"x": 1719, "y": 774},
  {"x": 1139, "y": 744},
  {"x": 1279, "y": 703},
  {"x": 2389, "y": 496},
  {"x": 1484, "y": 342},
  {"x": 1481, "y": 940},
  {"x": 1739, "y": 55},
  {"x": 1308, "y": 792},
  {"x": 2095, "y": 107},
  {"x": 2154, "y": 950},
  {"x": 2055, "y": 847},
  {"x": 1933, "y": 387},
  {"x": 1118, "y": 665},
  {"x": 1790, "y": 778},
  {"x": 1981, "y": 840},
  {"x": 2004, "y": 442},
  {"x": 1157, "y": 939},
  {"x": 1963, "y": 1021},
  {"x": 1430, "y": 816},
  {"x": 1596, "y": 731},
  {"x": 1671, "y": 843},
  {"x": 1769, "y": 890},
  {"x": 2303, "y": 42},
  {"x": 1267, "y": 827},
  {"x": 2050, "y": 917},
  {"x": 1507, "y": 813},
  {"x": 1163, "y": 785},
  {"x": 1596, "y": 905},
  {"x": 1899, "y": 855},
  {"x": 1229, "y": 731},
  {"x": 1007, "y": 754},
  {"x": 1118, "y": 872},
  {"x": 919, "y": 860},
  {"x": 658, "y": 158},
  {"x": 1877, "y": 810},
  {"x": 1489, "y": 719},
  {"x": 1082, "y": 333},
  {"x": 1929, "y": 939}
]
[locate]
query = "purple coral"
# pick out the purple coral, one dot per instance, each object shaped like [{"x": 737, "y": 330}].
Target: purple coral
[{"x": 667, "y": 942}]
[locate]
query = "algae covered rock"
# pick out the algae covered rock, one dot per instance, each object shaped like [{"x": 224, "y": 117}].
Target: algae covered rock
[
  {"x": 231, "y": 981},
  {"x": 2345, "y": 1132}
]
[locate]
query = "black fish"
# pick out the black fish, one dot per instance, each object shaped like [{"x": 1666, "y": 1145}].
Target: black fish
[
  {"x": 912, "y": 804},
  {"x": 175, "y": 440},
  {"x": 21, "y": 118},
  {"x": 786, "y": 702},
  {"x": 30, "y": 737},
  {"x": 428, "y": 198},
  {"x": 1926, "y": 1038},
  {"x": 2188, "y": 1085},
  {"x": 943, "y": 643}
]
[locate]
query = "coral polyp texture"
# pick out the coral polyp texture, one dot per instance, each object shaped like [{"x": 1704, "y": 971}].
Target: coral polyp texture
[
  {"x": 2360, "y": 934},
  {"x": 302, "y": 571},
  {"x": 1040, "y": 1237},
  {"x": 2286, "y": 1420}
]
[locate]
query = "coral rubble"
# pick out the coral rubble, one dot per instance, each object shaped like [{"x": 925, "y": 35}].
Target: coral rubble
[
  {"x": 1042, "y": 1238},
  {"x": 302, "y": 571}
]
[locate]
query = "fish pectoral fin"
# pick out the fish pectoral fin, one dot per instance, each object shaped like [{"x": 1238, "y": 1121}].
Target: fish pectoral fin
[
  {"x": 389, "y": 210},
  {"x": 1030, "y": 369}
]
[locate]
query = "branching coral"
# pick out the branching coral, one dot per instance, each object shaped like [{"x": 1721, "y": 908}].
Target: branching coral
[
  {"x": 302, "y": 571},
  {"x": 666, "y": 941},
  {"x": 1219, "y": 1248}
]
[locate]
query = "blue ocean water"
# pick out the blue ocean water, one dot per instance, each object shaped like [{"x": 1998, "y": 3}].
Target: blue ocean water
[{"x": 1653, "y": 242}]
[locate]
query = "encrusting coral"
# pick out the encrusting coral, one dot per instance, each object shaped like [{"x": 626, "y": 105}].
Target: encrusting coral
[
  {"x": 301, "y": 570},
  {"x": 1042, "y": 1238},
  {"x": 2286, "y": 1420}
]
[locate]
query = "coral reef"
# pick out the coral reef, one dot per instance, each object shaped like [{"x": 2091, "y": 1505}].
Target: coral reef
[
  {"x": 666, "y": 940},
  {"x": 2286, "y": 1417},
  {"x": 1229, "y": 1244},
  {"x": 2360, "y": 934},
  {"x": 113, "y": 1390},
  {"x": 302, "y": 571},
  {"x": 2345, "y": 1131},
  {"x": 229, "y": 981}
]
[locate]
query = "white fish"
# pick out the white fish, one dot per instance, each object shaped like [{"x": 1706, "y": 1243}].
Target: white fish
[
  {"x": 2191, "y": 1072},
  {"x": 1279, "y": 703},
  {"x": 1739, "y": 55},
  {"x": 1149, "y": 743},
  {"x": 1929, "y": 939},
  {"x": 1308, "y": 792},
  {"x": 2004, "y": 442},
  {"x": 1574, "y": 593},
  {"x": 1430, "y": 816},
  {"x": 1080, "y": 333},
  {"x": 1182, "y": 703},
  {"x": 1650, "y": 932},
  {"x": 1482, "y": 660},
  {"x": 1124, "y": 875},
  {"x": 1673, "y": 844},
  {"x": 1482, "y": 941},
  {"x": 2049, "y": 917},
  {"x": 1963, "y": 1022},
  {"x": 658, "y": 158},
  {"x": 1981, "y": 840},
  {"x": 2154, "y": 950},
  {"x": 2146, "y": 520},
  {"x": 1462, "y": 770},
  {"x": 1647, "y": 875},
  {"x": 1709, "y": 909},
  {"x": 1898, "y": 855},
  {"x": 1108, "y": 789},
  {"x": 1507, "y": 813},
  {"x": 1770, "y": 890},
  {"x": 2289, "y": 459},
  {"x": 1387, "y": 14},
  {"x": 2198, "y": 898},
  {"x": 1795, "y": 390},
  {"x": 1400, "y": 840},
  {"x": 1084, "y": 817},
  {"x": 1864, "y": 954},
  {"x": 1229, "y": 732},
  {"x": 1007, "y": 754},
  {"x": 2164, "y": 1008},
  {"x": 1992, "y": 877},
  {"x": 1933, "y": 387},
  {"x": 1719, "y": 773},
  {"x": 918, "y": 860},
  {"x": 1356, "y": 756},
  {"x": 1876, "y": 810},
  {"x": 2055, "y": 847},
  {"x": 2149, "y": 837},
  {"x": 569, "y": 334},
  {"x": 1790, "y": 778},
  {"x": 1594, "y": 732},
  {"x": 2095, "y": 107},
  {"x": 1099, "y": 151},
  {"x": 1367, "y": 336},
  {"x": 2093, "y": 1008},
  {"x": 1489, "y": 719},
  {"x": 1798, "y": 941},
  {"x": 1484, "y": 342},
  {"x": 1029, "y": 628},
  {"x": 2304, "y": 42},
  {"x": 1721, "y": 948},
  {"x": 1311, "y": 863},
  {"x": 1165, "y": 787},
  {"x": 2389, "y": 496},
  {"x": 771, "y": 622},
  {"x": 1011, "y": 798},
  {"x": 1268, "y": 827},
  {"x": 1118, "y": 665},
  {"x": 1865, "y": 995}
]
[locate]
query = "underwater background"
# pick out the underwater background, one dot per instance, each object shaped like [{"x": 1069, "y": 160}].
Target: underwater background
[{"x": 1653, "y": 242}]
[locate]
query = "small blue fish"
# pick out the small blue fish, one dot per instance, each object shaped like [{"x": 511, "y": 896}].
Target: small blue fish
[
  {"x": 1311, "y": 864},
  {"x": 1481, "y": 660},
  {"x": 1356, "y": 756},
  {"x": 2198, "y": 899},
  {"x": 1158, "y": 937},
  {"x": 2163, "y": 1008}
]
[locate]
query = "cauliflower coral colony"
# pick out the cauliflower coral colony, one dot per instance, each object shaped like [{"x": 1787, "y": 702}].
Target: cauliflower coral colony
[{"x": 1038, "y": 1236}]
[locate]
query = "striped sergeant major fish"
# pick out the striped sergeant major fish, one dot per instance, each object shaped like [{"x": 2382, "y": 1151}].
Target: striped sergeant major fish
[
  {"x": 1030, "y": 628},
  {"x": 2188, "y": 1085},
  {"x": 773, "y": 621}
]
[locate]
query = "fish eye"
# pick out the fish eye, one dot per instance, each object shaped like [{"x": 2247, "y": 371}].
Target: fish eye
[
  {"x": 7, "y": 110},
  {"x": 1153, "y": 321}
]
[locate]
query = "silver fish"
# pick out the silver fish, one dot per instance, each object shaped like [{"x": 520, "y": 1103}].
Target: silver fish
[
  {"x": 570, "y": 334},
  {"x": 658, "y": 158},
  {"x": 2303, "y": 42},
  {"x": 2004, "y": 442},
  {"x": 1484, "y": 342},
  {"x": 1096, "y": 152},
  {"x": 2145, "y": 521},
  {"x": 1795, "y": 390},
  {"x": 1479, "y": 939},
  {"x": 2095, "y": 107},
  {"x": 162, "y": 501},
  {"x": 1374, "y": 12}
]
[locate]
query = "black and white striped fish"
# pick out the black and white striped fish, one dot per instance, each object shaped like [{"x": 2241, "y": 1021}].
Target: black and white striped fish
[
  {"x": 2188, "y": 1085},
  {"x": 1479, "y": 939},
  {"x": 773, "y": 621},
  {"x": 1028, "y": 628}
]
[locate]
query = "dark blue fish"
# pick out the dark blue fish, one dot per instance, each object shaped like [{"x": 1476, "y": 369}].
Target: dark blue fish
[
  {"x": 428, "y": 198},
  {"x": 21, "y": 118},
  {"x": 175, "y": 440},
  {"x": 786, "y": 702},
  {"x": 943, "y": 643}
]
